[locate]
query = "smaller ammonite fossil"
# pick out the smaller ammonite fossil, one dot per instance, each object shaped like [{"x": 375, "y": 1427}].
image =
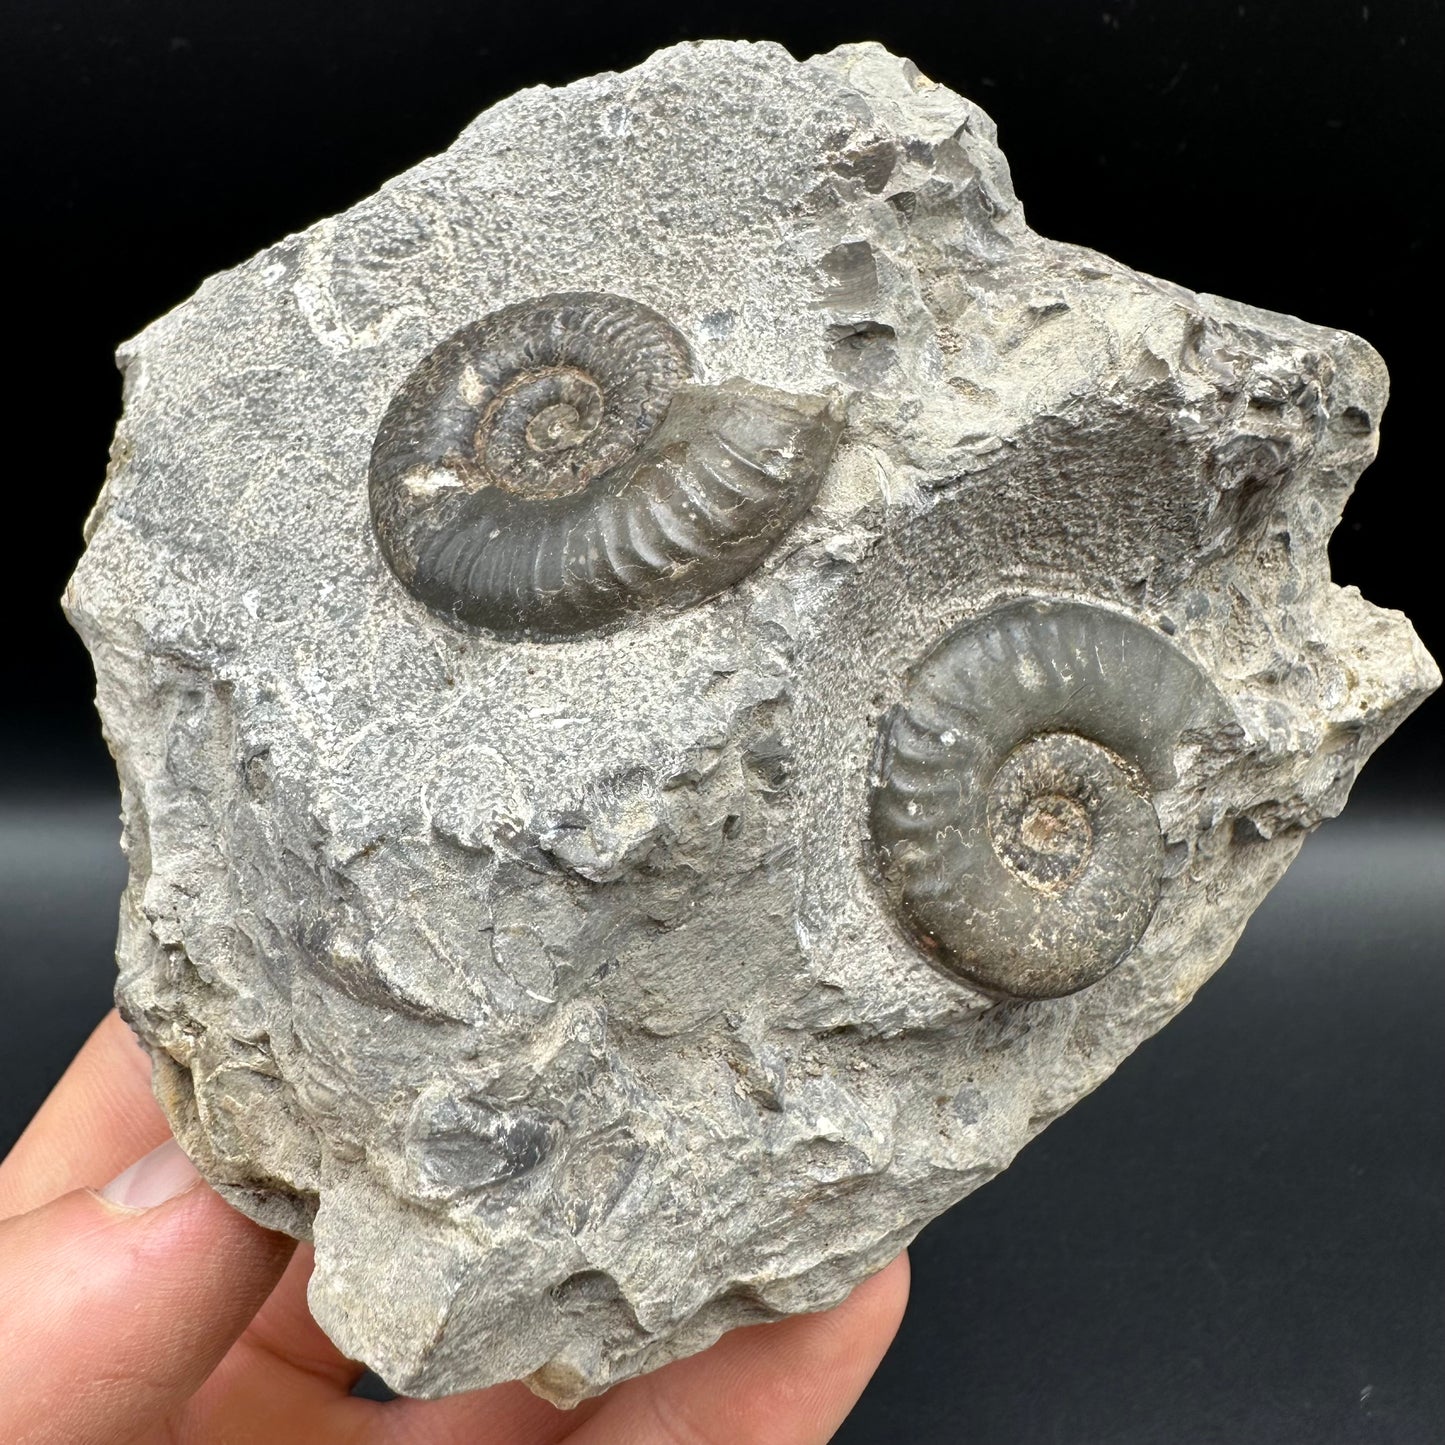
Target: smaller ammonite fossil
[
  {"x": 550, "y": 468},
  {"x": 1012, "y": 815}
]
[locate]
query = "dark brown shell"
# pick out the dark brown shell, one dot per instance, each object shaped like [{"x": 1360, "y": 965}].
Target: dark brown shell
[
  {"x": 1013, "y": 819},
  {"x": 549, "y": 469}
]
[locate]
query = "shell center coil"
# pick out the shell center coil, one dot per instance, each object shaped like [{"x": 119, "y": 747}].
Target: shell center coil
[
  {"x": 1046, "y": 804},
  {"x": 534, "y": 438}
]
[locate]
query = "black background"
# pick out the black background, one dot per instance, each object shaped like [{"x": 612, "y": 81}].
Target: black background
[{"x": 1239, "y": 1239}]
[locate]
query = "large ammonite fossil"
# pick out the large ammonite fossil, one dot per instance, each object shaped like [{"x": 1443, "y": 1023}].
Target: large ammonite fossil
[
  {"x": 548, "y": 469},
  {"x": 1012, "y": 814}
]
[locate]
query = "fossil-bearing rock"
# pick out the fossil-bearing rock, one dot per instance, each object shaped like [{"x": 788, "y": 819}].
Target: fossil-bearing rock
[{"x": 683, "y": 684}]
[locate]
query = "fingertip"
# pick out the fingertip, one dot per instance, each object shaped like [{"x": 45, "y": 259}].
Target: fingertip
[
  {"x": 793, "y": 1380},
  {"x": 99, "y": 1117},
  {"x": 117, "y": 1311},
  {"x": 153, "y": 1179},
  {"x": 885, "y": 1294}
]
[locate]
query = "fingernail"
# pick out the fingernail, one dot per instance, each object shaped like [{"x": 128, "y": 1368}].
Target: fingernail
[{"x": 160, "y": 1175}]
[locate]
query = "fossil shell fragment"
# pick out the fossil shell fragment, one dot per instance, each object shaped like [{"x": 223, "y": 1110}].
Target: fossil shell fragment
[
  {"x": 1013, "y": 819},
  {"x": 549, "y": 469}
]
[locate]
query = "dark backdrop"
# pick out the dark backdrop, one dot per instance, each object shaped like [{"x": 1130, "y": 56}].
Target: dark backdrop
[{"x": 1239, "y": 1238}]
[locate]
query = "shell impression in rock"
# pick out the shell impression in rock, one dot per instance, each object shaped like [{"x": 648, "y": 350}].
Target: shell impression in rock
[
  {"x": 1013, "y": 817},
  {"x": 614, "y": 851},
  {"x": 546, "y": 470}
]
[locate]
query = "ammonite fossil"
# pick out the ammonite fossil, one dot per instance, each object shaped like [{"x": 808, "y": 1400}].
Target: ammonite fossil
[
  {"x": 1012, "y": 816},
  {"x": 549, "y": 469}
]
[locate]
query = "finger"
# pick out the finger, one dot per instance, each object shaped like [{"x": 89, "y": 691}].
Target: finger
[
  {"x": 285, "y": 1328},
  {"x": 510, "y": 1413},
  {"x": 116, "y": 1312},
  {"x": 99, "y": 1117},
  {"x": 790, "y": 1383},
  {"x": 283, "y": 1381}
]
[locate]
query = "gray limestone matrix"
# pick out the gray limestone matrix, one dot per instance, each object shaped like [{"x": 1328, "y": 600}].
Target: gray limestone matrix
[{"x": 682, "y": 685}]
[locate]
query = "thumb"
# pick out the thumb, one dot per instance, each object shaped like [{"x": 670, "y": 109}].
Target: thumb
[{"x": 116, "y": 1305}]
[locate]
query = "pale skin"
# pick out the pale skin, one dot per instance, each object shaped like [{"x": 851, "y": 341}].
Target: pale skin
[{"x": 180, "y": 1321}]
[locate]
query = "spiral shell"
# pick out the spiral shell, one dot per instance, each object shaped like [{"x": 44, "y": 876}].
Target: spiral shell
[
  {"x": 1012, "y": 818},
  {"x": 549, "y": 469}
]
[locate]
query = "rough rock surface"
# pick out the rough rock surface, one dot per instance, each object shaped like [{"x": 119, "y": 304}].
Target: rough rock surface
[{"x": 550, "y": 986}]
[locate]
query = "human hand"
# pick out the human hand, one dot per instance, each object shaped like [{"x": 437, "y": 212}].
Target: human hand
[{"x": 154, "y": 1312}]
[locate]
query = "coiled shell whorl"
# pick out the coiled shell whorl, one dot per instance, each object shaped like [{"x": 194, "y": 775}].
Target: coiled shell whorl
[
  {"x": 549, "y": 469},
  {"x": 1012, "y": 816}
]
